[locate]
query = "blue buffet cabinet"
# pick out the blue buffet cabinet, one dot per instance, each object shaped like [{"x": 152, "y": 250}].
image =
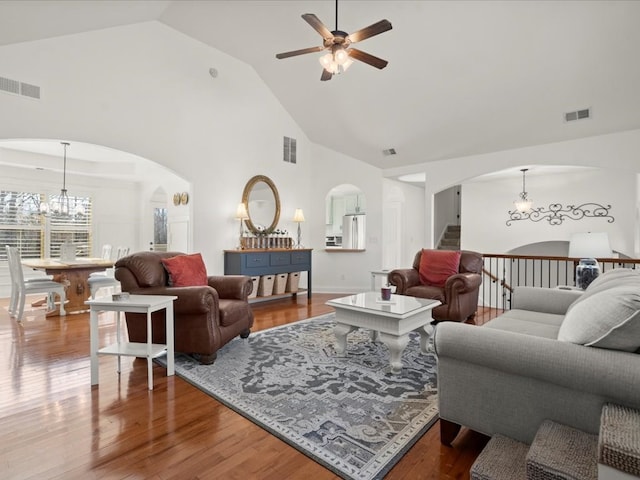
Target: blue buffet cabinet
[{"x": 268, "y": 262}]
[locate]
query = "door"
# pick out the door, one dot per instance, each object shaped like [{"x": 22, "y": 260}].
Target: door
[{"x": 159, "y": 243}]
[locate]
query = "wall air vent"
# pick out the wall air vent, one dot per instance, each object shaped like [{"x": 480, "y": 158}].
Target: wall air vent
[
  {"x": 577, "y": 115},
  {"x": 289, "y": 150},
  {"x": 32, "y": 91},
  {"x": 10, "y": 86},
  {"x": 388, "y": 152},
  {"x": 19, "y": 88}
]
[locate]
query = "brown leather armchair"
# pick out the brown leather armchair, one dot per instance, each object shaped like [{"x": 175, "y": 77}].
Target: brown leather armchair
[
  {"x": 205, "y": 317},
  {"x": 459, "y": 297}
]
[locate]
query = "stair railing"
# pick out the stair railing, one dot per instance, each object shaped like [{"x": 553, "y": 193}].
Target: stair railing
[{"x": 504, "y": 272}]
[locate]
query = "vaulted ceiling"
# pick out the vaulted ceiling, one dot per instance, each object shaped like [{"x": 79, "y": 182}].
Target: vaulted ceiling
[{"x": 464, "y": 77}]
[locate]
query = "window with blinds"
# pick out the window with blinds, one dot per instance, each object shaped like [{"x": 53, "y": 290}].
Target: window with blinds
[{"x": 22, "y": 225}]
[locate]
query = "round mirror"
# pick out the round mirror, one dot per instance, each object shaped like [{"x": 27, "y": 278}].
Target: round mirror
[{"x": 263, "y": 204}]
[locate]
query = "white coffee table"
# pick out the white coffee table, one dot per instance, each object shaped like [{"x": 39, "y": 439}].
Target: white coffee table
[{"x": 390, "y": 321}]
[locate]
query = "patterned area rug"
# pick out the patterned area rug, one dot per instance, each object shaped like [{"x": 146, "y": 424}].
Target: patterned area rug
[{"x": 350, "y": 414}]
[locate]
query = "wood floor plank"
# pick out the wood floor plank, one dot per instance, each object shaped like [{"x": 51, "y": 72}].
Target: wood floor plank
[{"x": 56, "y": 426}]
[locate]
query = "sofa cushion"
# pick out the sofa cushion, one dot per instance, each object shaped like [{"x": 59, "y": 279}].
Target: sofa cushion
[
  {"x": 544, "y": 318},
  {"x": 186, "y": 270},
  {"x": 607, "y": 319},
  {"x": 436, "y": 266},
  {"x": 511, "y": 323}
]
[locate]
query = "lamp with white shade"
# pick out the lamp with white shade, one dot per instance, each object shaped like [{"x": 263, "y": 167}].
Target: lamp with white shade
[
  {"x": 298, "y": 217},
  {"x": 242, "y": 215},
  {"x": 588, "y": 247}
]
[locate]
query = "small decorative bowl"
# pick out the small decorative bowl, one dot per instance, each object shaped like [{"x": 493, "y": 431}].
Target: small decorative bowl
[{"x": 118, "y": 297}]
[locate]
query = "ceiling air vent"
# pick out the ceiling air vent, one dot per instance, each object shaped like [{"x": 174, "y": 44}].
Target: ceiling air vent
[
  {"x": 577, "y": 115},
  {"x": 289, "y": 150},
  {"x": 388, "y": 152},
  {"x": 19, "y": 88}
]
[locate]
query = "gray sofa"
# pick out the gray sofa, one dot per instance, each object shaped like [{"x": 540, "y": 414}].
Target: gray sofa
[{"x": 558, "y": 354}]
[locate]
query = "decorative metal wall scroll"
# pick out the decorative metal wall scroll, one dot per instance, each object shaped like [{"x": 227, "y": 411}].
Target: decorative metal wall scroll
[{"x": 556, "y": 213}]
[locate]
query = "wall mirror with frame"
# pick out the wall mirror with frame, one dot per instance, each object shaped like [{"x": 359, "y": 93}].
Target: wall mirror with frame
[{"x": 261, "y": 198}]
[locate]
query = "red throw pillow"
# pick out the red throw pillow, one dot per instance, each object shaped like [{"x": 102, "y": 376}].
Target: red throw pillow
[
  {"x": 438, "y": 265},
  {"x": 186, "y": 270}
]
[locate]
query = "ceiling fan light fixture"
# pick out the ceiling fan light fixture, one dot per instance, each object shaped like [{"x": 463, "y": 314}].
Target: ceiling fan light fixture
[
  {"x": 341, "y": 56},
  {"x": 345, "y": 65},
  {"x": 326, "y": 61}
]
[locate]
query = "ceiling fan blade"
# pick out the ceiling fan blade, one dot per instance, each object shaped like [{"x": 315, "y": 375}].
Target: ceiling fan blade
[
  {"x": 299, "y": 52},
  {"x": 326, "y": 75},
  {"x": 367, "y": 58},
  {"x": 370, "y": 31},
  {"x": 319, "y": 27}
]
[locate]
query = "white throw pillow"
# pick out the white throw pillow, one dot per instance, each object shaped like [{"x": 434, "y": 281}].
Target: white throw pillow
[
  {"x": 617, "y": 277},
  {"x": 614, "y": 277},
  {"x": 607, "y": 319}
]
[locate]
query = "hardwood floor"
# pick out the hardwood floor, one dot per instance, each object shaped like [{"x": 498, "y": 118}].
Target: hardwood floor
[{"x": 53, "y": 424}]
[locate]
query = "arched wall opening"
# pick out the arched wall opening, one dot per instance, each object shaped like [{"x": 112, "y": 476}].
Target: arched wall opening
[{"x": 123, "y": 187}]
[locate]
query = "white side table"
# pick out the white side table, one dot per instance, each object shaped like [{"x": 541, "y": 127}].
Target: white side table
[
  {"x": 382, "y": 273},
  {"x": 134, "y": 304}
]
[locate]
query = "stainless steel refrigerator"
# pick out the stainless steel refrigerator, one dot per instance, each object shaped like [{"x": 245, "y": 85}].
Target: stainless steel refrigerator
[{"x": 353, "y": 231}]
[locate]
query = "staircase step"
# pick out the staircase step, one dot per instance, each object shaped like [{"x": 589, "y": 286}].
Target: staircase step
[
  {"x": 450, "y": 241},
  {"x": 502, "y": 459},
  {"x": 619, "y": 442},
  {"x": 559, "y": 452}
]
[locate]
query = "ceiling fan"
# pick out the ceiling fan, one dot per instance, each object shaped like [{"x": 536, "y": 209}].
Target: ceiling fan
[{"x": 339, "y": 43}]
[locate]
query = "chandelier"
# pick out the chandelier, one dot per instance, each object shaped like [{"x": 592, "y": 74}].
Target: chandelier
[
  {"x": 63, "y": 198},
  {"x": 61, "y": 203}
]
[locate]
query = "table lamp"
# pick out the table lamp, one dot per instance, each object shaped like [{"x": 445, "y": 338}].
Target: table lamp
[
  {"x": 242, "y": 215},
  {"x": 588, "y": 247},
  {"x": 298, "y": 217}
]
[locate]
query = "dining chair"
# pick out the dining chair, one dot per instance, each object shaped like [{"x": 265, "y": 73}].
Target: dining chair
[
  {"x": 98, "y": 280},
  {"x": 105, "y": 255},
  {"x": 106, "y": 252},
  {"x": 20, "y": 287}
]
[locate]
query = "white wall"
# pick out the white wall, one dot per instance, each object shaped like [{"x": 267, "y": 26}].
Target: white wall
[
  {"x": 145, "y": 89},
  {"x": 339, "y": 271},
  {"x": 408, "y": 200},
  {"x": 617, "y": 151},
  {"x": 485, "y": 206}
]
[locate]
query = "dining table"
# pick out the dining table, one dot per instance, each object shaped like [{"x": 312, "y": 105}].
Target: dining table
[{"x": 74, "y": 274}]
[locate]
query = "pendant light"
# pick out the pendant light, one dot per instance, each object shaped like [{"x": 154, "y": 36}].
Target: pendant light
[
  {"x": 60, "y": 204},
  {"x": 63, "y": 199},
  {"x": 524, "y": 203}
]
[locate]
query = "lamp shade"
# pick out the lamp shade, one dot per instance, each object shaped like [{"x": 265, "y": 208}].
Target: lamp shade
[
  {"x": 241, "y": 212},
  {"x": 590, "y": 245},
  {"x": 298, "y": 216}
]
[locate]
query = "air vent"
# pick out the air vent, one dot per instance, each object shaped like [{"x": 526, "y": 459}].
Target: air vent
[
  {"x": 388, "y": 152},
  {"x": 19, "y": 88},
  {"x": 32, "y": 91},
  {"x": 289, "y": 150},
  {"x": 577, "y": 115}
]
